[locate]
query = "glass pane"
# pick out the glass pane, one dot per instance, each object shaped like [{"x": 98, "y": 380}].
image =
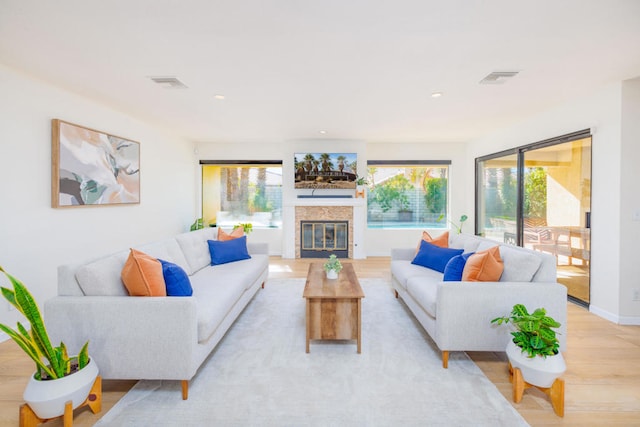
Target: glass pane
[
  {"x": 307, "y": 236},
  {"x": 341, "y": 237},
  {"x": 318, "y": 236},
  {"x": 407, "y": 197},
  {"x": 498, "y": 198},
  {"x": 556, "y": 211},
  {"x": 329, "y": 236}
]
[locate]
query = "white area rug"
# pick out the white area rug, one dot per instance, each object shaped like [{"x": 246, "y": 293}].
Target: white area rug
[{"x": 260, "y": 375}]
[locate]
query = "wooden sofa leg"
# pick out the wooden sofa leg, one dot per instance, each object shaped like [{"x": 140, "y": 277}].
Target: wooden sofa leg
[
  {"x": 262, "y": 285},
  {"x": 445, "y": 359},
  {"x": 396, "y": 293},
  {"x": 185, "y": 389}
]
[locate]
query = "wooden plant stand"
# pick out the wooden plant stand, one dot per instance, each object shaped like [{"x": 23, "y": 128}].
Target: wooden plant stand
[
  {"x": 555, "y": 392},
  {"x": 28, "y": 418}
]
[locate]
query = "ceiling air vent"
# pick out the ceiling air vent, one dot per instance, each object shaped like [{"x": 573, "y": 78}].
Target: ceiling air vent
[
  {"x": 498, "y": 77},
  {"x": 169, "y": 82}
]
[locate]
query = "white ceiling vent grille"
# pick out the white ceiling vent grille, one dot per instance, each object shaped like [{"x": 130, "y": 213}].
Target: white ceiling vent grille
[
  {"x": 169, "y": 82},
  {"x": 498, "y": 77}
]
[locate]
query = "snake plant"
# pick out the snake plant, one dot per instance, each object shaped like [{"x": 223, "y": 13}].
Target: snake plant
[{"x": 51, "y": 362}]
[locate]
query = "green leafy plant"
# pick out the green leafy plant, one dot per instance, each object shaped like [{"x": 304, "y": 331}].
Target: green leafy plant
[
  {"x": 361, "y": 180},
  {"x": 197, "y": 225},
  {"x": 247, "y": 227},
  {"x": 534, "y": 333},
  {"x": 458, "y": 228},
  {"x": 333, "y": 264},
  {"x": 393, "y": 193},
  {"x": 51, "y": 362}
]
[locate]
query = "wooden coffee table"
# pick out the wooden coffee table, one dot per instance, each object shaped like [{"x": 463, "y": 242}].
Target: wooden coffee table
[{"x": 334, "y": 307}]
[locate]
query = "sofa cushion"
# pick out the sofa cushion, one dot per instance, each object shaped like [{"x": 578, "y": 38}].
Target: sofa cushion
[
  {"x": 434, "y": 257},
  {"x": 454, "y": 268},
  {"x": 142, "y": 275},
  {"x": 195, "y": 248},
  {"x": 484, "y": 266},
  {"x": 402, "y": 270},
  {"x": 168, "y": 250},
  {"x": 103, "y": 277},
  {"x": 223, "y": 236},
  {"x": 215, "y": 295},
  {"x": 519, "y": 265},
  {"x": 247, "y": 270},
  {"x": 228, "y": 251},
  {"x": 176, "y": 280},
  {"x": 485, "y": 244},
  {"x": 442, "y": 240},
  {"x": 467, "y": 242},
  {"x": 425, "y": 293}
]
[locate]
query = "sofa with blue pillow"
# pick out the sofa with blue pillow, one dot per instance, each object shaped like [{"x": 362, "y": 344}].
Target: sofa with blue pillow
[
  {"x": 188, "y": 290},
  {"x": 455, "y": 294}
]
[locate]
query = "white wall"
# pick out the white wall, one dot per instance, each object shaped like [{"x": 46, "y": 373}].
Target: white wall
[
  {"x": 600, "y": 111},
  {"x": 369, "y": 242},
  {"x": 630, "y": 202},
  {"x": 35, "y": 238}
]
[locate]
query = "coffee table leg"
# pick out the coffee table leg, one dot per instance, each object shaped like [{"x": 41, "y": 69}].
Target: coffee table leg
[
  {"x": 359, "y": 325},
  {"x": 308, "y": 323}
]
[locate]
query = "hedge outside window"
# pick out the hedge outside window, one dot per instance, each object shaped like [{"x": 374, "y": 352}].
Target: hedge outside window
[
  {"x": 240, "y": 191},
  {"x": 407, "y": 194}
]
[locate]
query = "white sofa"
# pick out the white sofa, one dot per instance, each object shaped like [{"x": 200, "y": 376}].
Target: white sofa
[
  {"x": 457, "y": 315},
  {"x": 153, "y": 337}
]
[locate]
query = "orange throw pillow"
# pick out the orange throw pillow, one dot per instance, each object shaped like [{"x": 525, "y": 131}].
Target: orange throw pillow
[
  {"x": 441, "y": 241},
  {"x": 235, "y": 233},
  {"x": 484, "y": 266},
  {"x": 142, "y": 275}
]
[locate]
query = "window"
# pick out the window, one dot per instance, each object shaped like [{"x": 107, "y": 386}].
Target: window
[
  {"x": 539, "y": 196},
  {"x": 407, "y": 194},
  {"x": 241, "y": 191}
]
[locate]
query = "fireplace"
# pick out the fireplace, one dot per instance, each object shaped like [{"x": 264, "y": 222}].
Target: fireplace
[
  {"x": 327, "y": 214},
  {"x": 319, "y": 239}
]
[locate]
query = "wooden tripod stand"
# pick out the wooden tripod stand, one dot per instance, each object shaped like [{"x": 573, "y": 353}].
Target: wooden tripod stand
[{"x": 28, "y": 418}]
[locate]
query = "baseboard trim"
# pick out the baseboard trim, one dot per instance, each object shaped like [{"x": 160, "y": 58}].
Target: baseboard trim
[{"x": 620, "y": 320}]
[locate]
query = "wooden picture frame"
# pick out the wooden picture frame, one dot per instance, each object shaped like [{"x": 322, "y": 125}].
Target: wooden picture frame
[{"x": 92, "y": 168}]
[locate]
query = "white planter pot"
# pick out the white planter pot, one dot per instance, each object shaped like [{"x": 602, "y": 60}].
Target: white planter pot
[
  {"x": 47, "y": 398},
  {"x": 332, "y": 274},
  {"x": 539, "y": 371}
]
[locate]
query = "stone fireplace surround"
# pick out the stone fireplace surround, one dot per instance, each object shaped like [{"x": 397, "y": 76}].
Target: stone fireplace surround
[
  {"x": 323, "y": 213},
  {"x": 353, "y": 209}
]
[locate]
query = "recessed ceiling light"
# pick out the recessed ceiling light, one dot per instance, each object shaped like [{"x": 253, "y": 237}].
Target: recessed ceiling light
[
  {"x": 323, "y": 132},
  {"x": 436, "y": 94},
  {"x": 218, "y": 96}
]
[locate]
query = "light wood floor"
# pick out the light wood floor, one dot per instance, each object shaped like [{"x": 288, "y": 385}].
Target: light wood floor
[{"x": 602, "y": 379}]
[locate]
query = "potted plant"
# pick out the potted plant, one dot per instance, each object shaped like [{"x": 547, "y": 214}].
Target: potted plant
[
  {"x": 247, "y": 227},
  {"x": 332, "y": 267},
  {"x": 58, "y": 378},
  {"x": 463, "y": 218},
  {"x": 197, "y": 225},
  {"x": 534, "y": 348}
]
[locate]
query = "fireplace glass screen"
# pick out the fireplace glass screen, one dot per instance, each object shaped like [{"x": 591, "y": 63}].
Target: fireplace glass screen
[{"x": 319, "y": 238}]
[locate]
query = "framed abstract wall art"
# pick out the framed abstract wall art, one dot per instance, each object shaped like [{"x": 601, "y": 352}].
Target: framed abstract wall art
[{"x": 92, "y": 168}]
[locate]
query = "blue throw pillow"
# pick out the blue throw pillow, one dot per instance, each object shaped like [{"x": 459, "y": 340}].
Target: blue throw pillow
[
  {"x": 176, "y": 280},
  {"x": 454, "y": 268},
  {"x": 223, "y": 252},
  {"x": 434, "y": 257}
]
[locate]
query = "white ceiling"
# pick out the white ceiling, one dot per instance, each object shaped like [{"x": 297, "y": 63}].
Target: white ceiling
[{"x": 359, "y": 69}]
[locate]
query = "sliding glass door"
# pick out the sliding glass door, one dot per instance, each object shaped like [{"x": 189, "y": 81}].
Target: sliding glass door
[{"x": 539, "y": 197}]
